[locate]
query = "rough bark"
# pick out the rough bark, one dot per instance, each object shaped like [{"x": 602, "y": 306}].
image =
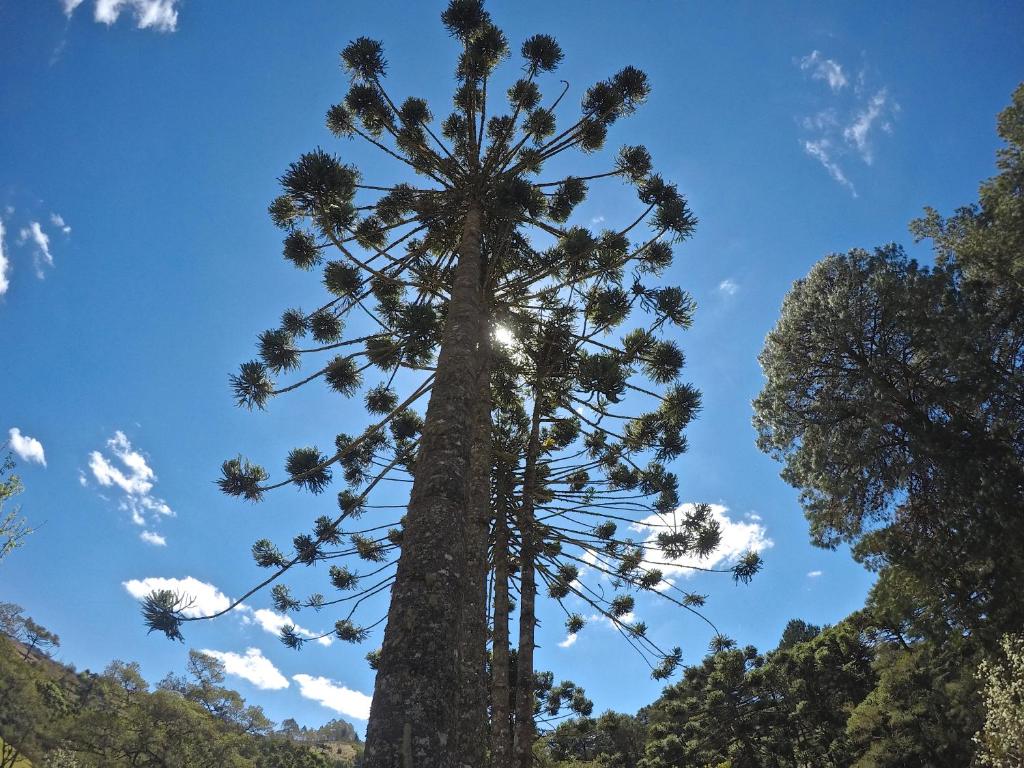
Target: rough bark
[
  {"x": 525, "y": 699},
  {"x": 471, "y": 745},
  {"x": 413, "y": 715},
  {"x": 501, "y": 715}
]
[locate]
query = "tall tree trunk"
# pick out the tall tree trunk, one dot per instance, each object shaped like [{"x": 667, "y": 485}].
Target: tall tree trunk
[
  {"x": 525, "y": 699},
  {"x": 501, "y": 715},
  {"x": 413, "y": 715},
  {"x": 471, "y": 742}
]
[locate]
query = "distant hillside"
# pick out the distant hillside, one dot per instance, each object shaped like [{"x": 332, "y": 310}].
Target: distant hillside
[{"x": 52, "y": 716}]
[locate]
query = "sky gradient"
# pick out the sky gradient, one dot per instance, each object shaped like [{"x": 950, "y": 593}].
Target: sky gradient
[{"x": 140, "y": 143}]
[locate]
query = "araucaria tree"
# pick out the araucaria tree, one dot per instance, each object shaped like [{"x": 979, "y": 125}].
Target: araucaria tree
[
  {"x": 578, "y": 456},
  {"x": 470, "y": 234}
]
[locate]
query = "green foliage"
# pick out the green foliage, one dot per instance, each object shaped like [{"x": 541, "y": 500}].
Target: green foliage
[
  {"x": 842, "y": 696},
  {"x": 1001, "y": 740},
  {"x": 13, "y": 527},
  {"x": 34, "y": 639},
  {"x": 986, "y": 240},
  {"x": 922, "y": 710},
  {"x": 241, "y": 478},
  {"x": 892, "y": 388},
  {"x": 612, "y": 740},
  {"x": 57, "y": 718},
  {"x": 306, "y": 466},
  {"x": 252, "y": 386}
]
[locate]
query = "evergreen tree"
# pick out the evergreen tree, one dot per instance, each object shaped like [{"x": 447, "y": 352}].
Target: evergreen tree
[
  {"x": 785, "y": 709},
  {"x": 612, "y": 740},
  {"x": 895, "y": 396},
  {"x": 1002, "y": 738}
]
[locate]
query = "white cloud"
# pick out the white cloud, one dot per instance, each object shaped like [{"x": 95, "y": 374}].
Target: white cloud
[
  {"x": 161, "y": 15},
  {"x": 728, "y": 286},
  {"x": 273, "y": 622},
  {"x": 814, "y": 574},
  {"x": 27, "y": 448},
  {"x": 253, "y": 666},
  {"x": 858, "y": 132},
  {"x": 5, "y": 264},
  {"x": 206, "y": 599},
  {"x": 824, "y": 120},
  {"x": 600, "y": 618},
  {"x": 737, "y": 537},
  {"x": 41, "y": 254},
  {"x": 58, "y": 221},
  {"x": 129, "y": 471},
  {"x": 137, "y": 481},
  {"x": 846, "y": 125},
  {"x": 70, "y": 5},
  {"x": 664, "y": 585},
  {"x": 820, "y": 150},
  {"x": 569, "y": 640},
  {"x": 821, "y": 68},
  {"x": 330, "y": 694},
  {"x": 153, "y": 538}
]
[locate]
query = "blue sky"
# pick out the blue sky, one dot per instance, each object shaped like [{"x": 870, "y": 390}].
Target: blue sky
[{"x": 140, "y": 142}]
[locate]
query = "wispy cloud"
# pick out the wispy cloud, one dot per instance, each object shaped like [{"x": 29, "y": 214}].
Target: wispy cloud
[
  {"x": 570, "y": 639},
  {"x": 845, "y": 126},
  {"x": 41, "y": 241},
  {"x": 821, "y": 150},
  {"x": 253, "y": 666},
  {"x": 58, "y": 221},
  {"x": 334, "y": 696},
  {"x": 151, "y": 537},
  {"x": 5, "y": 263},
  {"x": 821, "y": 68},
  {"x": 140, "y": 476},
  {"x": 129, "y": 471},
  {"x": 600, "y": 618},
  {"x": 161, "y": 15},
  {"x": 27, "y": 448},
  {"x": 728, "y": 286},
  {"x": 205, "y": 599},
  {"x": 814, "y": 574},
  {"x": 858, "y": 133}
]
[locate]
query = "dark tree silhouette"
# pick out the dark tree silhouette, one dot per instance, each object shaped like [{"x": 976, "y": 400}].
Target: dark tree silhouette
[{"x": 433, "y": 264}]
